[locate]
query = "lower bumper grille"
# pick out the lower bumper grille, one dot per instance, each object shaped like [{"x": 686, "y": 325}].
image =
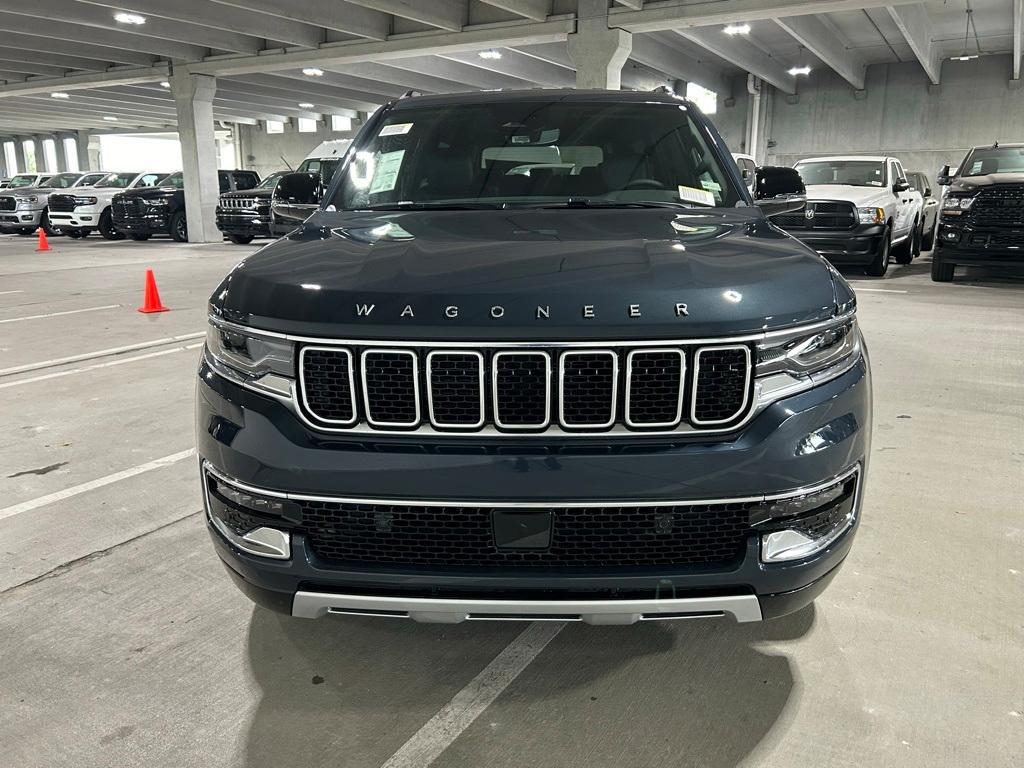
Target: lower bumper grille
[{"x": 599, "y": 536}]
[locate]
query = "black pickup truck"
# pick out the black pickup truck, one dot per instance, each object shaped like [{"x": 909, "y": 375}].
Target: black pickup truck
[
  {"x": 537, "y": 355},
  {"x": 981, "y": 222},
  {"x": 160, "y": 210}
]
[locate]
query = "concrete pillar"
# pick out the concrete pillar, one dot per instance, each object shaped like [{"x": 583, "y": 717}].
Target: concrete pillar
[
  {"x": 62, "y": 156},
  {"x": 193, "y": 99},
  {"x": 19, "y": 154},
  {"x": 597, "y": 52},
  {"x": 82, "y": 142},
  {"x": 37, "y": 147}
]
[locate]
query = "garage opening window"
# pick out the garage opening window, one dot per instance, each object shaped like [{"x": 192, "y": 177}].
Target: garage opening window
[
  {"x": 341, "y": 124},
  {"x": 854, "y": 173},
  {"x": 307, "y": 125},
  {"x": 10, "y": 158},
  {"x": 536, "y": 153},
  {"x": 275, "y": 126},
  {"x": 705, "y": 99},
  {"x": 50, "y": 153},
  {"x": 29, "y": 148},
  {"x": 71, "y": 154}
]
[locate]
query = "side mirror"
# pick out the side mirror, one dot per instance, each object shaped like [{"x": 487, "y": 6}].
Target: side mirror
[
  {"x": 779, "y": 190},
  {"x": 927, "y": 191},
  {"x": 900, "y": 186},
  {"x": 295, "y": 198},
  {"x": 943, "y": 177}
]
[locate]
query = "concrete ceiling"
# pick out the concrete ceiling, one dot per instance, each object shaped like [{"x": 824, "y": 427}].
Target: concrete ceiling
[{"x": 373, "y": 50}]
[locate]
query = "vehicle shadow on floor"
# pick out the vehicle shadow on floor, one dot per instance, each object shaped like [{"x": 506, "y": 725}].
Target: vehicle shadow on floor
[{"x": 350, "y": 691}]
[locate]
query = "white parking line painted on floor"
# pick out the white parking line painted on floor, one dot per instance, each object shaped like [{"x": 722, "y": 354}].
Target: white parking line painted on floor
[
  {"x": 877, "y": 290},
  {"x": 98, "y": 353},
  {"x": 58, "y": 314},
  {"x": 5, "y": 293},
  {"x": 67, "y": 493},
  {"x": 83, "y": 369},
  {"x": 467, "y": 705}
]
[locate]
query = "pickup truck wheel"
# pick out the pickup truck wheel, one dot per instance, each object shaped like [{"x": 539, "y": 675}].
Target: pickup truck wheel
[
  {"x": 880, "y": 265},
  {"x": 179, "y": 228},
  {"x": 240, "y": 239},
  {"x": 73, "y": 232},
  {"x": 905, "y": 251},
  {"x": 48, "y": 228},
  {"x": 941, "y": 271},
  {"x": 107, "y": 227},
  {"x": 139, "y": 236},
  {"x": 928, "y": 241}
]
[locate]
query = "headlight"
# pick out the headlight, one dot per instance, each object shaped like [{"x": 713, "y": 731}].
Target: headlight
[
  {"x": 26, "y": 200},
  {"x": 159, "y": 203},
  {"x": 812, "y": 358},
  {"x": 251, "y": 359},
  {"x": 954, "y": 205},
  {"x": 870, "y": 215},
  {"x": 86, "y": 201}
]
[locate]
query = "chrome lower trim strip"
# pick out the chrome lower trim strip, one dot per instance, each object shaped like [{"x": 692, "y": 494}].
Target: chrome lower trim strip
[
  {"x": 532, "y": 504},
  {"x": 313, "y": 605}
]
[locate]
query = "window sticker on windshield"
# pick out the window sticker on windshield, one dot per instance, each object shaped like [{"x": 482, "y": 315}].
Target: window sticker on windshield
[
  {"x": 396, "y": 129},
  {"x": 694, "y": 195},
  {"x": 386, "y": 174},
  {"x": 711, "y": 186}
]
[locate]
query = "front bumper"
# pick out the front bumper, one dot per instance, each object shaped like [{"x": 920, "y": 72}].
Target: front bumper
[
  {"x": 22, "y": 218},
  {"x": 143, "y": 224},
  {"x": 247, "y": 225},
  {"x": 964, "y": 244},
  {"x": 83, "y": 216},
  {"x": 258, "y": 442},
  {"x": 855, "y": 247}
]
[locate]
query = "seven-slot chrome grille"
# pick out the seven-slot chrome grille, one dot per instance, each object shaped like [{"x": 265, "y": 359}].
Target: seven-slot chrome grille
[
  {"x": 524, "y": 390},
  {"x": 238, "y": 203}
]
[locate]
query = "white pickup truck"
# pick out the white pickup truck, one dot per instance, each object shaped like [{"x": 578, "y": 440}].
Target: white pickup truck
[
  {"x": 860, "y": 211},
  {"x": 79, "y": 213}
]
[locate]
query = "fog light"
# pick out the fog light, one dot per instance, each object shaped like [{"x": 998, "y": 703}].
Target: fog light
[
  {"x": 951, "y": 236},
  {"x": 241, "y": 518},
  {"x": 797, "y": 527}
]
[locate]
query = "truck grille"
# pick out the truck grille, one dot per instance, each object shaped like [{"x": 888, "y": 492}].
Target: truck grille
[
  {"x": 8, "y": 203},
  {"x": 999, "y": 207},
  {"x": 238, "y": 203},
  {"x": 125, "y": 209},
  {"x": 827, "y": 215},
  {"x": 347, "y": 533},
  {"x": 526, "y": 389},
  {"x": 65, "y": 203}
]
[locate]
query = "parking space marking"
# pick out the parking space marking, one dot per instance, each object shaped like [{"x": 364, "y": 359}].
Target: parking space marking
[
  {"x": 83, "y": 369},
  {"x": 75, "y": 490},
  {"x": 875, "y": 290},
  {"x": 59, "y": 314},
  {"x": 5, "y": 293},
  {"x": 98, "y": 353},
  {"x": 467, "y": 705}
]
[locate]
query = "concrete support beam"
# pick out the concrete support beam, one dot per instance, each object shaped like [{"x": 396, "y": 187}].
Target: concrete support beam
[
  {"x": 660, "y": 56},
  {"x": 816, "y": 37},
  {"x": 916, "y": 26},
  {"x": 597, "y": 51},
  {"x": 336, "y": 15},
  {"x": 62, "y": 156},
  {"x": 1018, "y": 36},
  {"x": 193, "y": 98},
  {"x": 446, "y": 14},
  {"x": 42, "y": 42},
  {"x": 82, "y": 144},
  {"x": 19, "y": 155},
  {"x": 130, "y": 76},
  {"x": 743, "y": 55},
  {"x": 538, "y": 10}
]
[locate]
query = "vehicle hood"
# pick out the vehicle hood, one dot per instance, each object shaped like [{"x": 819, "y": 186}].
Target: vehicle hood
[
  {"x": 248, "y": 194},
  {"x": 530, "y": 275},
  {"x": 151, "y": 192},
  {"x": 859, "y": 196},
  {"x": 973, "y": 183}
]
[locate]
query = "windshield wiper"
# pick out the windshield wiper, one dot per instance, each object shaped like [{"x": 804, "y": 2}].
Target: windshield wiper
[
  {"x": 440, "y": 206},
  {"x": 585, "y": 202}
]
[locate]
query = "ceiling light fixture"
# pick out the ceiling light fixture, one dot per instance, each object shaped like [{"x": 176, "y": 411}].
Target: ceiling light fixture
[
  {"x": 59, "y": 95},
  {"x": 490, "y": 53},
  {"x": 737, "y": 29},
  {"x": 313, "y": 72},
  {"x": 804, "y": 70},
  {"x": 110, "y": 118},
  {"x": 129, "y": 18},
  {"x": 306, "y": 105},
  {"x": 965, "y": 57}
]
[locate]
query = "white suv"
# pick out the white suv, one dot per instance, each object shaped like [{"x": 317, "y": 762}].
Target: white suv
[
  {"x": 860, "y": 211},
  {"x": 78, "y": 214}
]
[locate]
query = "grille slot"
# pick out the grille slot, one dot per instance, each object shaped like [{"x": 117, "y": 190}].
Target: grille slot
[
  {"x": 654, "y": 387},
  {"x": 346, "y": 533},
  {"x": 588, "y": 382},
  {"x": 522, "y": 389},
  {"x": 465, "y": 389},
  {"x": 391, "y": 387},
  {"x": 328, "y": 384},
  {"x": 238, "y": 203},
  {"x": 455, "y": 389},
  {"x": 8, "y": 204},
  {"x": 721, "y": 385},
  {"x": 61, "y": 203}
]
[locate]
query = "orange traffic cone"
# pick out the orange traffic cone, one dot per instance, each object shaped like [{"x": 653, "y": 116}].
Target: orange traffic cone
[
  {"x": 151, "y": 301},
  {"x": 44, "y": 244}
]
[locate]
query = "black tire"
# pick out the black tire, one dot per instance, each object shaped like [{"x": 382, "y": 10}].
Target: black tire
[
  {"x": 139, "y": 236},
  {"x": 909, "y": 248},
  {"x": 928, "y": 240},
  {"x": 73, "y": 232},
  {"x": 48, "y": 228},
  {"x": 941, "y": 271},
  {"x": 880, "y": 265},
  {"x": 241, "y": 239},
  {"x": 26, "y": 231},
  {"x": 179, "y": 228},
  {"x": 107, "y": 227}
]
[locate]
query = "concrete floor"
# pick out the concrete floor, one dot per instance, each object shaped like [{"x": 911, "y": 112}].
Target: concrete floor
[{"x": 122, "y": 642}]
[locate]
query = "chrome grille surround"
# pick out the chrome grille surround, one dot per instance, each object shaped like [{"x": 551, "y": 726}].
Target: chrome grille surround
[
  {"x": 239, "y": 203},
  {"x": 482, "y": 405},
  {"x": 364, "y": 359},
  {"x": 696, "y": 377},
  {"x": 495, "y": 374},
  {"x": 628, "y": 414}
]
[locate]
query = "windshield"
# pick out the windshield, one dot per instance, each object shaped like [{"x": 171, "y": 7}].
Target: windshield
[
  {"x": 23, "y": 180},
  {"x": 271, "y": 180},
  {"x": 981, "y": 162},
  {"x": 118, "y": 180},
  {"x": 538, "y": 152},
  {"x": 176, "y": 180},
  {"x": 854, "y": 173},
  {"x": 89, "y": 180},
  {"x": 64, "y": 180}
]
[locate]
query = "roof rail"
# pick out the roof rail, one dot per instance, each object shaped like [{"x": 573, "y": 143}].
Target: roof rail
[{"x": 410, "y": 93}]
